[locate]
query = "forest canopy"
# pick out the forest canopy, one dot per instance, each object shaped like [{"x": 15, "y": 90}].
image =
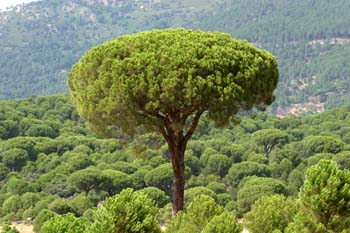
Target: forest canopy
[{"x": 44, "y": 182}]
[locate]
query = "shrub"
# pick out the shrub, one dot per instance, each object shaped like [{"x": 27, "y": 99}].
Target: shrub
[
  {"x": 129, "y": 211},
  {"x": 271, "y": 213}
]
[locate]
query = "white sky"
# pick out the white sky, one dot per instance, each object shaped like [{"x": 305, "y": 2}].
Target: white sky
[{"x": 6, "y": 3}]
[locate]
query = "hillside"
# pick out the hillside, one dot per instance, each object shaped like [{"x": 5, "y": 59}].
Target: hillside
[
  {"x": 49, "y": 160},
  {"x": 311, "y": 40},
  {"x": 40, "y": 41}
]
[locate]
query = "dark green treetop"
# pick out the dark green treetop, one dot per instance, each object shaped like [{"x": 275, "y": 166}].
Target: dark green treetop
[{"x": 143, "y": 78}]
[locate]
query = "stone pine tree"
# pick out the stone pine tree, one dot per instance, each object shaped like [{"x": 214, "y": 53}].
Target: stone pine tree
[{"x": 164, "y": 80}]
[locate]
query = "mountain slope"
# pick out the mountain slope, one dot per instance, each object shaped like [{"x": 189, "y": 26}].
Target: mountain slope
[
  {"x": 40, "y": 41},
  {"x": 311, "y": 39},
  {"x": 269, "y": 21}
]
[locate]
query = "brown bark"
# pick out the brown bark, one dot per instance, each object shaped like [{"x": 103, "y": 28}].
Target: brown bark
[
  {"x": 177, "y": 141},
  {"x": 177, "y": 158}
]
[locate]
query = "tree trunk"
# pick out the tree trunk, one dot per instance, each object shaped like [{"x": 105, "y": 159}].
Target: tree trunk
[
  {"x": 177, "y": 150},
  {"x": 177, "y": 142}
]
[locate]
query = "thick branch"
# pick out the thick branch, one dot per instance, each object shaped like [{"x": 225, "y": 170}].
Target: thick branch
[
  {"x": 164, "y": 133},
  {"x": 193, "y": 125},
  {"x": 151, "y": 115}
]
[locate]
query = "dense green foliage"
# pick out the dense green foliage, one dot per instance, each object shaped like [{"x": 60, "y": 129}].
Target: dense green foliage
[
  {"x": 41, "y": 41},
  {"x": 128, "y": 211},
  {"x": 43, "y": 182},
  {"x": 64, "y": 224},
  {"x": 159, "y": 78},
  {"x": 41, "y": 218},
  {"x": 204, "y": 215},
  {"x": 252, "y": 188},
  {"x": 324, "y": 199},
  {"x": 271, "y": 213},
  {"x": 223, "y": 223}
]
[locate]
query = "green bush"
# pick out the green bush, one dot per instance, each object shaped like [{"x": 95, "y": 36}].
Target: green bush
[
  {"x": 129, "y": 211},
  {"x": 240, "y": 170},
  {"x": 252, "y": 188},
  {"x": 224, "y": 223},
  {"x": 192, "y": 193},
  {"x": 156, "y": 195},
  {"x": 65, "y": 224},
  {"x": 324, "y": 200},
  {"x": 42, "y": 217},
  {"x": 271, "y": 213},
  {"x": 204, "y": 215}
]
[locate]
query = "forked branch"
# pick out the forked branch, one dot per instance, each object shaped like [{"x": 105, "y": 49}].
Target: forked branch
[{"x": 193, "y": 126}]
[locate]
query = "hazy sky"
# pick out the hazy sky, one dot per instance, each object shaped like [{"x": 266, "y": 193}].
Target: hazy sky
[{"x": 6, "y": 3}]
